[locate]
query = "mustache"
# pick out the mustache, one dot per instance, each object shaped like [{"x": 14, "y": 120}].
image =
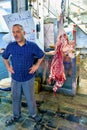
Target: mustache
[{"x": 16, "y": 36}]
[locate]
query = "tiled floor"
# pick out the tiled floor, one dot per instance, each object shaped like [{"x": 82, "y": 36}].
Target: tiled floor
[{"x": 60, "y": 113}]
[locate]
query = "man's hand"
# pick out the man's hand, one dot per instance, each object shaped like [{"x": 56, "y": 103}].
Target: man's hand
[
  {"x": 33, "y": 69},
  {"x": 36, "y": 66},
  {"x": 10, "y": 69}
]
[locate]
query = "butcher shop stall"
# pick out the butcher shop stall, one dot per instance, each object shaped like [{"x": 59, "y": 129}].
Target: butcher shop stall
[{"x": 61, "y": 65}]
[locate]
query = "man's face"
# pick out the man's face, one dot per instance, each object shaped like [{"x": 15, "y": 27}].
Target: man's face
[{"x": 18, "y": 33}]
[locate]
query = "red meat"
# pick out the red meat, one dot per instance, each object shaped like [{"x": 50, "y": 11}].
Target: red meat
[{"x": 57, "y": 68}]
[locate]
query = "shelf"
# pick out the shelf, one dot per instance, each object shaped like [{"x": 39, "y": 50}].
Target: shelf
[
  {"x": 79, "y": 24},
  {"x": 77, "y": 13},
  {"x": 76, "y": 5}
]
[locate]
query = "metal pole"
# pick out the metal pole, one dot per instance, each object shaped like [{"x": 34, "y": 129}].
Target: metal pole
[
  {"x": 14, "y": 6},
  {"x": 19, "y": 5},
  {"x": 26, "y": 4}
]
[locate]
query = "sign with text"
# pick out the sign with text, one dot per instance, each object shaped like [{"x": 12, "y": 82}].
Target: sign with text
[{"x": 25, "y": 19}]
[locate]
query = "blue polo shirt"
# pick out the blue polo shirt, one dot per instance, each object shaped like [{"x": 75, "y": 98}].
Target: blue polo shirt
[{"x": 22, "y": 58}]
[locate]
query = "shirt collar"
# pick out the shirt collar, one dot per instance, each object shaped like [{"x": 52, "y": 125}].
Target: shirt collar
[{"x": 24, "y": 44}]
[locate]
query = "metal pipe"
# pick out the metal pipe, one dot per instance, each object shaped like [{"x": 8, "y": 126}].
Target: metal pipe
[
  {"x": 19, "y": 5},
  {"x": 14, "y": 6}
]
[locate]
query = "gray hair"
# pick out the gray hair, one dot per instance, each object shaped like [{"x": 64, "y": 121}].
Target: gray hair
[{"x": 19, "y": 26}]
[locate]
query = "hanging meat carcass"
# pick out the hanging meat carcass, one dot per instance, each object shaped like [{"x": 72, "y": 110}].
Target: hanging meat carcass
[{"x": 62, "y": 48}]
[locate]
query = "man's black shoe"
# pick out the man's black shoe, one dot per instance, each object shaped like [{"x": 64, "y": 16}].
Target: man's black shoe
[{"x": 36, "y": 118}]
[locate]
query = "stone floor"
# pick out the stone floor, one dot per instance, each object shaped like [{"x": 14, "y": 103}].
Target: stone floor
[{"x": 62, "y": 112}]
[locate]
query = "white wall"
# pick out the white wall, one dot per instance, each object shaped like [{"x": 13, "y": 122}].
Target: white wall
[{"x": 40, "y": 40}]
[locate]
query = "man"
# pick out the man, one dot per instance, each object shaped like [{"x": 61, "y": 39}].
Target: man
[{"x": 22, "y": 69}]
